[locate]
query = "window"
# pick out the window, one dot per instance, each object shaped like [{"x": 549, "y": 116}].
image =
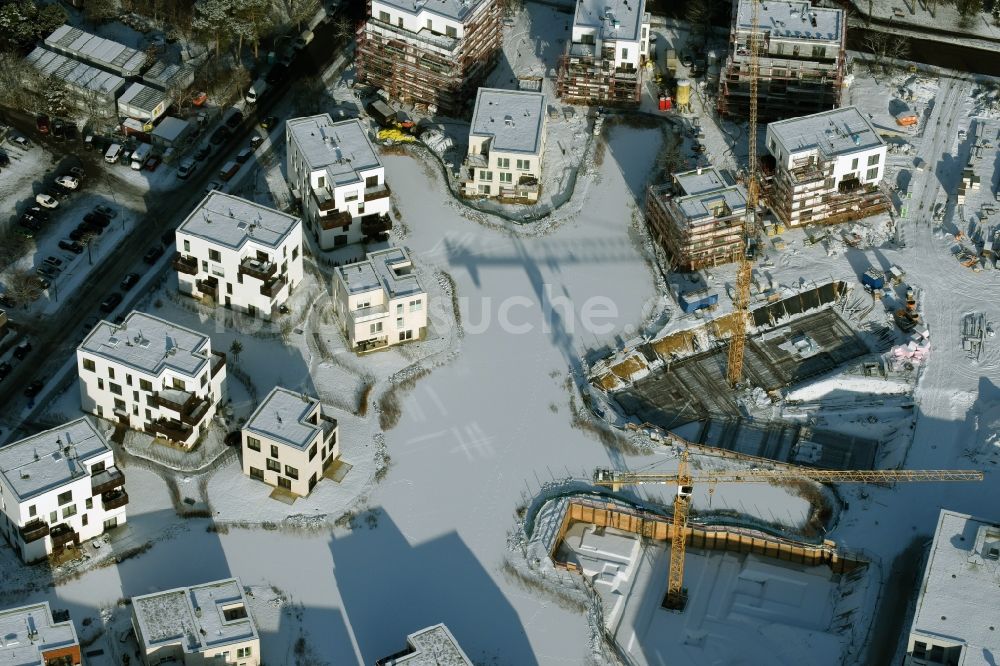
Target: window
[
  {"x": 204, "y": 379},
  {"x": 321, "y": 182},
  {"x": 128, "y": 379},
  {"x": 416, "y": 306},
  {"x": 295, "y": 252},
  {"x": 523, "y": 165},
  {"x": 779, "y": 49},
  {"x": 624, "y": 54},
  {"x": 65, "y": 498},
  {"x": 53, "y": 517},
  {"x": 399, "y": 309},
  {"x": 873, "y": 159},
  {"x": 854, "y": 164},
  {"x": 114, "y": 388},
  {"x": 187, "y": 246},
  {"x": 291, "y": 472},
  {"x": 229, "y": 287},
  {"x": 351, "y": 196},
  {"x": 485, "y": 175},
  {"x": 819, "y": 52},
  {"x": 119, "y": 405},
  {"x": 178, "y": 384},
  {"x": 100, "y": 384},
  {"x": 405, "y": 335},
  {"x": 145, "y": 385},
  {"x": 69, "y": 511},
  {"x": 872, "y": 174},
  {"x": 135, "y": 396},
  {"x": 213, "y": 255},
  {"x": 503, "y": 162},
  {"x": 256, "y": 474},
  {"x": 384, "y": 17},
  {"x": 111, "y": 373},
  {"x": 253, "y": 443},
  {"x": 361, "y": 208},
  {"x": 89, "y": 503},
  {"x": 97, "y": 467},
  {"x": 919, "y": 649},
  {"x": 89, "y": 365},
  {"x": 430, "y": 25},
  {"x": 451, "y": 31},
  {"x": 86, "y": 520},
  {"x": 273, "y": 466},
  {"x": 506, "y": 177},
  {"x": 243, "y": 652},
  {"x": 32, "y": 511},
  {"x": 484, "y": 189},
  {"x": 234, "y": 613},
  {"x": 375, "y": 328},
  {"x": 274, "y": 451},
  {"x": 795, "y": 49},
  {"x": 149, "y": 415},
  {"x": 399, "y": 323},
  {"x": 312, "y": 452}
]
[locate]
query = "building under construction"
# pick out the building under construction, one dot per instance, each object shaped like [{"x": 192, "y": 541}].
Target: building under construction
[
  {"x": 802, "y": 60},
  {"x": 697, "y": 218},
  {"x": 429, "y": 53},
  {"x": 603, "y": 60},
  {"x": 824, "y": 168}
]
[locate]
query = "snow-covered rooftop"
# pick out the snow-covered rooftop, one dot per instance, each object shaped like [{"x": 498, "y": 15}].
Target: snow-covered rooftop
[
  {"x": 230, "y": 221},
  {"x": 836, "y": 132},
  {"x": 142, "y": 97},
  {"x": 453, "y": 9},
  {"x": 29, "y": 631},
  {"x": 797, "y": 21},
  {"x": 614, "y": 19},
  {"x": 96, "y": 50},
  {"x": 342, "y": 148},
  {"x": 703, "y": 190},
  {"x": 433, "y": 646},
  {"x": 75, "y": 73},
  {"x": 50, "y": 459},
  {"x": 195, "y": 617},
  {"x": 959, "y": 596},
  {"x": 282, "y": 417},
  {"x": 164, "y": 75},
  {"x": 170, "y": 128},
  {"x": 149, "y": 344},
  {"x": 514, "y": 118},
  {"x": 390, "y": 270}
]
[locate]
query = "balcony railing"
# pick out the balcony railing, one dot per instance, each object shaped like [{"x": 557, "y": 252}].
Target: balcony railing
[
  {"x": 106, "y": 481},
  {"x": 368, "y": 313},
  {"x": 335, "y": 221},
  {"x": 271, "y": 288},
  {"x": 377, "y": 192},
  {"x": 190, "y": 407},
  {"x": 114, "y": 500},
  {"x": 171, "y": 429},
  {"x": 219, "y": 362},
  {"x": 329, "y": 425},
  {"x": 185, "y": 264},
  {"x": 325, "y": 200},
  {"x": 439, "y": 41},
  {"x": 34, "y": 530},
  {"x": 257, "y": 269},
  {"x": 209, "y": 286},
  {"x": 62, "y": 534},
  {"x": 375, "y": 224}
]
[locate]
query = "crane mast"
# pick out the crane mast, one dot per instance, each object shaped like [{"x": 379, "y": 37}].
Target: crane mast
[{"x": 737, "y": 340}]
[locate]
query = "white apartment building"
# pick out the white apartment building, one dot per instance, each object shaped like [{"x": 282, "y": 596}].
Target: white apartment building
[
  {"x": 506, "y": 142},
  {"x": 32, "y": 637},
  {"x": 603, "y": 60},
  {"x": 955, "y": 622},
  {"x": 432, "y": 646},
  {"x": 152, "y": 375},
  {"x": 59, "y": 488},
  {"x": 827, "y": 168},
  {"x": 239, "y": 254},
  {"x": 335, "y": 173},
  {"x": 197, "y": 625},
  {"x": 380, "y": 301},
  {"x": 289, "y": 441}
]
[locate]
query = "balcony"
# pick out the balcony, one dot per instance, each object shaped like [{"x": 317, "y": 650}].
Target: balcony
[
  {"x": 336, "y": 221},
  {"x": 272, "y": 287},
  {"x": 218, "y": 363},
  {"x": 106, "y": 480},
  {"x": 324, "y": 199},
  {"x": 189, "y": 406},
  {"x": 114, "y": 500},
  {"x": 375, "y": 224},
  {"x": 185, "y": 264},
  {"x": 377, "y": 192},
  {"x": 367, "y": 314},
  {"x": 257, "y": 269},
  {"x": 33, "y": 530},
  {"x": 171, "y": 429},
  {"x": 63, "y": 534},
  {"x": 328, "y": 425},
  {"x": 209, "y": 287},
  {"x": 387, "y": 30}
]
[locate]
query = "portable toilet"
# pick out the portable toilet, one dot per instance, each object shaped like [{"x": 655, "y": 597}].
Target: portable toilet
[
  {"x": 665, "y": 103},
  {"x": 873, "y": 279},
  {"x": 683, "y": 93}
]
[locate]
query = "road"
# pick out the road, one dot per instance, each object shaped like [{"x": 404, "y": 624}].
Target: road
[{"x": 54, "y": 339}]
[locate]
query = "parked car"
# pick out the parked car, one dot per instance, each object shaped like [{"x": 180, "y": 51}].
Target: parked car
[
  {"x": 77, "y": 172},
  {"x": 42, "y": 123},
  {"x": 168, "y": 237},
  {"x": 234, "y": 119},
  {"x": 269, "y": 122},
  {"x": 21, "y": 142},
  {"x": 90, "y": 322},
  {"x": 212, "y": 186},
  {"x": 113, "y": 154},
  {"x": 79, "y": 234},
  {"x": 34, "y": 388},
  {"x": 68, "y": 182},
  {"x": 106, "y": 211},
  {"x": 21, "y": 351},
  {"x": 54, "y": 261},
  {"x": 97, "y": 220},
  {"x": 218, "y": 136},
  {"x": 71, "y": 133},
  {"x": 186, "y": 168},
  {"x": 71, "y": 246},
  {"x": 129, "y": 281},
  {"x": 255, "y": 141},
  {"x": 111, "y": 302},
  {"x": 30, "y": 223},
  {"x": 46, "y": 201},
  {"x": 47, "y": 271},
  {"x": 228, "y": 170},
  {"x": 203, "y": 152},
  {"x": 58, "y": 129},
  {"x": 277, "y": 74},
  {"x": 244, "y": 155},
  {"x": 152, "y": 163},
  {"x": 91, "y": 228},
  {"x": 303, "y": 40},
  {"x": 153, "y": 254},
  {"x": 4, "y": 370},
  {"x": 39, "y": 213}
]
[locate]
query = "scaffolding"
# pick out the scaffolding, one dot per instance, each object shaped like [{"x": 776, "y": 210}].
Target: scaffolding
[
  {"x": 805, "y": 194},
  {"x": 693, "y": 244},
  {"x": 426, "y": 67},
  {"x": 592, "y": 79}
]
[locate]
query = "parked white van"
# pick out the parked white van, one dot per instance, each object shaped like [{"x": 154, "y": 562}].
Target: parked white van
[{"x": 114, "y": 152}]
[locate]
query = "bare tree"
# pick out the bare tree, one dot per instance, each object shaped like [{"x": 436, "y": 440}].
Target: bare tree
[
  {"x": 298, "y": 11},
  {"x": 23, "y": 288},
  {"x": 885, "y": 48},
  {"x": 343, "y": 28},
  {"x": 13, "y": 246},
  {"x": 510, "y": 7}
]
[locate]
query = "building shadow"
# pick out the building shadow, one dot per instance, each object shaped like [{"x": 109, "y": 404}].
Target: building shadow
[{"x": 391, "y": 588}]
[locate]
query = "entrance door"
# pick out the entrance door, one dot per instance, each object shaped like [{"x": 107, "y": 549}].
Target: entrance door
[{"x": 284, "y": 483}]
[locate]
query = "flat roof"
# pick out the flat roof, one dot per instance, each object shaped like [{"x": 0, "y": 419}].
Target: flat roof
[
  {"x": 74, "y": 72},
  {"x": 148, "y": 344},
  {"x": 453, "y": 9},
  {"x": 193, "y": 617},
  {"x": 614, "y": 19},
  {"x": 18, "y": 647},
  {"x": 97, "y": 50},
  {"x": 514, "y": 118},
  {"x": 282, "y": 418},
  {"x": 702, "y": 190},
  {"x": 959, "y": 596},
  {"x": 835, "y": 132},
  {"x": 232, "y": 222},
  {"x": 143, "y": 97},
  {"x": 164, "y": 75},
  {"x": 433, "y": 646},
  {"x": 796, "y": 20},
  {"x": 378, "y": 270},
  {"x": 342, "y": 148},
  {"x": 170, "y": 128},
  {"x": 50, "y": 459}
]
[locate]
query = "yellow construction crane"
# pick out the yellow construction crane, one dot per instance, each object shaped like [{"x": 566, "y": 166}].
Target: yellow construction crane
[
  {"x": 734, "y": 370},
  {"x": 685, "y": 480}
]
